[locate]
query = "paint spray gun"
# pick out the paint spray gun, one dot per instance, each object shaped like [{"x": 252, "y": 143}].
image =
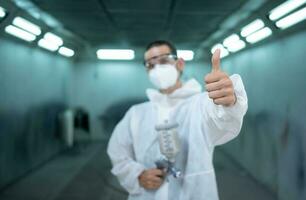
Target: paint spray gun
[{"x": 169, "y": 147}]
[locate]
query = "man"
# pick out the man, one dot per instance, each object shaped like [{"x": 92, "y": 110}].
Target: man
[{"x": 205, "y": 119}]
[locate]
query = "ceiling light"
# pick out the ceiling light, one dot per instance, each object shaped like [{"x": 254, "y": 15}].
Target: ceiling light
[
  {"x": 236, "y": 46},
  {"x": 52, "y": 38},
  {"x": 230, "y": 39},
  {"x": 292, "y": 19},
  {"x": 26, "y": 25},
  {"x": 2, "y": 12},
  {"x": 185, "y": 54},
  {"x": 17, "y": 32},
  {"x": 66, "y": 52},
  {"x": 224, "y": 52},
  {"x": 285, "y": 8},
  {"x": 115, "y": 54},
  {"x": 259, "y": 35},
  {"x": 233, "y": 43},
  {"x": 47, "y": 45},
  {"x": 252, "y": 27}
]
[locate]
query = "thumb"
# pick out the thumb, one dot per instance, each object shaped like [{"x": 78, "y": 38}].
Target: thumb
[{"x": 215, "y": 60}]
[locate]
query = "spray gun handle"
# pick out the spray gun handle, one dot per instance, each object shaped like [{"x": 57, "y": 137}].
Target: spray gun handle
[
  {"x": 170, "y": 169},
  {"x": 162, "y": 164}
]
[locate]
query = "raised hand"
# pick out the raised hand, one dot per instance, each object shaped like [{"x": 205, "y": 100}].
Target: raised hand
[{"x": 218, "y": 84}]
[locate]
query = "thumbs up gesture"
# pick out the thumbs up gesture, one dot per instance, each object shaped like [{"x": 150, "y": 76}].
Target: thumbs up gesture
[{"x": 218, "y": 84}]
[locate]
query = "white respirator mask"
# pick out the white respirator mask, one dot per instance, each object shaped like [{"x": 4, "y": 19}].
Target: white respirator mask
[{"x": 163, "y": 76}]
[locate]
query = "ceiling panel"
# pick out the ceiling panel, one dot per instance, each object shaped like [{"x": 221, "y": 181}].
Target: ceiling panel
[
  {"x": 137, "y": 22},
  {"x": 140, "y": 5}
]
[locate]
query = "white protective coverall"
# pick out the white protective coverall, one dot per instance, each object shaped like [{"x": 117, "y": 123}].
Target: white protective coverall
[{"x": 133, "y": 146}]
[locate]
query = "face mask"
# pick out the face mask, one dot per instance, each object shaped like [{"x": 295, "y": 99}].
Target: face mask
[{"x": 163, "y": 76}]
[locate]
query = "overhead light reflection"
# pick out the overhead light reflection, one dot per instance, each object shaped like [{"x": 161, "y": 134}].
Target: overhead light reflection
[
  {"x": 236, "y": 46},
  {"x": 285, "y": 8},
  {"x": 2, "y": 12},
  {"x": 224, "y": 51},
  {"x": 185, "y": 54},
  {"x": 21, "y": 34},
  {"x": 26, "y": 25},
  {"x": 52, "y": 38},
  {"x": 259, "y": 35},
  {"x": 292, "y": 19},
  {"x": 47, "y": 45},
  {"x": 252, "y": 27},
  {"x": 66, "y": 52},
  {"x": 115, "y": 54},
  {"x": 230, "y": 40}
]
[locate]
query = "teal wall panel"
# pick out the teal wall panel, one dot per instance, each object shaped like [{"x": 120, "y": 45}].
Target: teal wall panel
[
  {"x": 34, "y": 90},
  {"x": 272, "y": 142}
]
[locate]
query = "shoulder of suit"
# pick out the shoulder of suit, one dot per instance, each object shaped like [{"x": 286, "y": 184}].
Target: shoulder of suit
[{"x": 141, "y": 106}]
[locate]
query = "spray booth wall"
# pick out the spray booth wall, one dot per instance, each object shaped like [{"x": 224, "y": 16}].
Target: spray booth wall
[
  {"x": 272, "y": 144},
  {"x": 33, "y": 85}
]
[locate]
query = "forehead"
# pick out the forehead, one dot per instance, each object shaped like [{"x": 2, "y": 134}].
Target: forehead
[{"x": 156, "y": 51}]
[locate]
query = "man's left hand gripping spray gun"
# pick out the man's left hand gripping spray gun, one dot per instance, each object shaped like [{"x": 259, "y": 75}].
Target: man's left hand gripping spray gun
[{"x": 169, "y": 147}]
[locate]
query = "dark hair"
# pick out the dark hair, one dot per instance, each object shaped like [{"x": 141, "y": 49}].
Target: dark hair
[{"x": 161, "y": 43}]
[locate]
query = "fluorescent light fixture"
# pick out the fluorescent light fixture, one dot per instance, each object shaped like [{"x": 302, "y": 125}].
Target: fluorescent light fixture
[
  {"x": 233, "y": 43},
  {"x": 52, "y": 38},
  {"x": 2, "y": 12},
  {"x": 115, "y": 54},
  {"x": 259, "y": 35},
  {"x": 285, "y": 8},
  {"x": 47, "y": 45},
  {"x": 292, "y": 19},
  {"x": 185, "y": 54},
  {"x": 224, "y": 51},
  {"x": 252, "y": 27},
  {"x": 230, "y": 39},
  {"x": 21, "y": 34},
  {"x": 66, "y": 52},
  {"x": 236, "y": 46},
  {"x": 26, "y": 25}
]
